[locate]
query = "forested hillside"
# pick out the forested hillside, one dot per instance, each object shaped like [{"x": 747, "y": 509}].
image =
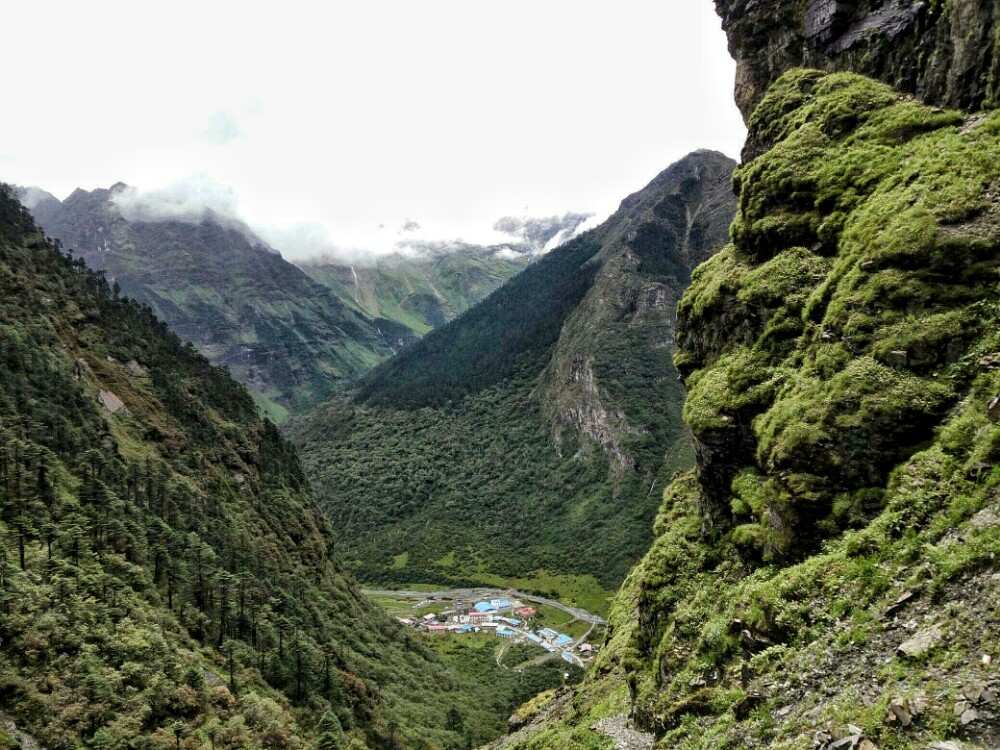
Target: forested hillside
[
  {"x": 422, "y": 289},
  {"x": 827, "y": 575},
  {"x": 529, "y": 439},
  {"x": 285, "y": 336},
  {"x": 166, "y": 579}
]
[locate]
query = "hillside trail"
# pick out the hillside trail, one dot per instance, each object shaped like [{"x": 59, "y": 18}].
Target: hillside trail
[
  {"x": 26, "y": 741},
  {"x": 618, "y": 730}
]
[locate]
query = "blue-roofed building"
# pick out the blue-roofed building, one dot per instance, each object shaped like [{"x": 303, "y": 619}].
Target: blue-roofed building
[
  {"x": 485, "y": 607},
  {"x": 568, "y": 657},
  {"x": 534, "y": 638},
  {"x": 505, "y": 633},
  {"x": 548, "y": 633},
  {"x": 562, "y": 640},
  {"x": 500, "y": 603}
]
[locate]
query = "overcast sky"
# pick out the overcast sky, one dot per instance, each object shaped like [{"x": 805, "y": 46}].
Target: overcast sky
[{"x": 342, "y": 117}]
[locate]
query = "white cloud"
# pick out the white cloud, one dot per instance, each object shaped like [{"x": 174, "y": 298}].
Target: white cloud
[
  {"x": 223, "y": 128},
  {"x": 194, "y": 200},
  {"x": 508, "y": 253},
  {"x": 340, "y": 118},
  {"x": 31, "y": 197},
  {"x": 189, "y": 200}
]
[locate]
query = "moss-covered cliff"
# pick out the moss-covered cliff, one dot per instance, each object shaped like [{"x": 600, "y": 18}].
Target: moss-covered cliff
[{"x": 829, "y": 571}]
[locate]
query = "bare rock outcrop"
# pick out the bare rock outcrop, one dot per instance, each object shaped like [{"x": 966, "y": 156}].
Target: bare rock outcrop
[{"x": 944, "y": 52}]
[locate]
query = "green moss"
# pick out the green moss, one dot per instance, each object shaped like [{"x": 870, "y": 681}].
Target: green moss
[{"x": 833, "y": 355}]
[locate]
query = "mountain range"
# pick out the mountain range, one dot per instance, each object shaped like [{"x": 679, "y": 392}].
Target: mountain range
[
  {"x": 762, "y": 402},
  {"x": 423, "y": 289},
  {"x": 221, "y": 287},
  {"x": 293, "y": 334}
]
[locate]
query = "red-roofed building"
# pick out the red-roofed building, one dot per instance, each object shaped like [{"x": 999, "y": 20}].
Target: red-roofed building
[{"x": 527, "y": 611}]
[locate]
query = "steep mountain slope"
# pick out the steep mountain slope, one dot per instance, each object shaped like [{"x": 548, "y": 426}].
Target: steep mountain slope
[
  {"x": 166, "y": 579},
  {"x": 526, "y": 440},
  {"x": 422, "y": 290},
  {"x": 827, "y": 576},
  {"x": 216, "y": 284}
]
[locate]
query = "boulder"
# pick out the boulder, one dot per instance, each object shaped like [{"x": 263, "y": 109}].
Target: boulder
[{"x": 921, "y": 643}]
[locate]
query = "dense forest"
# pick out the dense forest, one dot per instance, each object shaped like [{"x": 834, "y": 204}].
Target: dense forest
[{"x": 166, "y": 578}]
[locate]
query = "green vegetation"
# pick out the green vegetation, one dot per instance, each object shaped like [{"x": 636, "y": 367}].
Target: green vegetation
[
  {"x": 483, "y": 484},
  {"x": 505, "y": 336},
  {"x": 422, "y": 291},
  {"x": 166, "y": 580},
  {"x": 526, "y": 442},
  {"x": 500, "y": 689},
  {"x": 843, "y": 360}
]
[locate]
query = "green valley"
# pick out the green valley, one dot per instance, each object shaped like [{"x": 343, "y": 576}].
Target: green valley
[
  {"x": 527, "y": 442},
  {"x": 720, "y": 472}
]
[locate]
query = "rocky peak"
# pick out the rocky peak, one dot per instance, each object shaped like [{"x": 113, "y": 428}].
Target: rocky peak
[
  {"x": 944, "y": 52},
  {"x": 650, "y": 248}
]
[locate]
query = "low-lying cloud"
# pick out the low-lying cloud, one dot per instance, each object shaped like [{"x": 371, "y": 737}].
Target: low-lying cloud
[
  {"x": 190, "y": 201},
  {"x": 542, "y": 233},
  {"x": 200, "y": 198}
]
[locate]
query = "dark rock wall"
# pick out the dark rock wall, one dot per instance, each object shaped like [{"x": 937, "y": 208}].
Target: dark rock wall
[{"x": 944, "y": 51}]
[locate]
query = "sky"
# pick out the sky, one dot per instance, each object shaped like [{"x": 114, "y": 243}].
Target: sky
[{"x": 360, "y": 124}]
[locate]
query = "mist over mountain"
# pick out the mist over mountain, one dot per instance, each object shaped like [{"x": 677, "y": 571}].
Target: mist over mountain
[{"x": 423, "y": 283}]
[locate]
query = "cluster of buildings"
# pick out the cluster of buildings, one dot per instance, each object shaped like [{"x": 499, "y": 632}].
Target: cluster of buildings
[{"x": 497, "y": 616}]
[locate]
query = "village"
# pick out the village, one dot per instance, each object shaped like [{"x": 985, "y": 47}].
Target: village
[{"x": 505, "y": 617}]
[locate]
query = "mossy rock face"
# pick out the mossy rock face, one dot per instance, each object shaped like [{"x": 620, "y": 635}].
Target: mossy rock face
[
  {"x": 843, "y": 364},
  {"x": 829, "y": 340}
]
